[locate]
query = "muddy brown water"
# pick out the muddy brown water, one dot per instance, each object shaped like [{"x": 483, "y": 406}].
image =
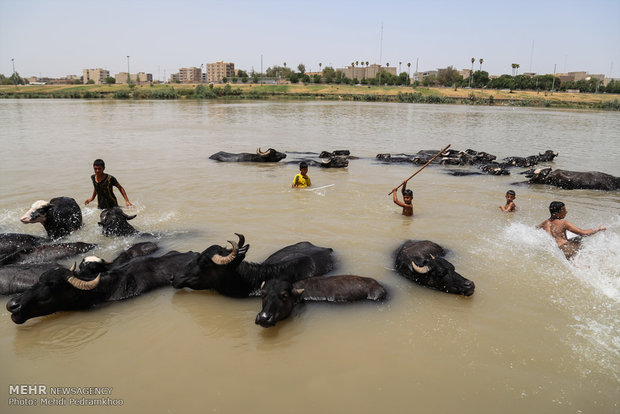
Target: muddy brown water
[{"x": 540, "y": 334}]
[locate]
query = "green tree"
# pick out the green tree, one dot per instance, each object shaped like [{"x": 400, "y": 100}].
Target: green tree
[
  {"x": 329, "y": 74},
  {"x": 448, "y": 76},
  {"x": 301, "y": 68},
  {"x": 242, "y": 73},
  {"x": 91, "y": 82},
  {"x": 110, "y": 80},
  {"x": 480, "y": 79}
]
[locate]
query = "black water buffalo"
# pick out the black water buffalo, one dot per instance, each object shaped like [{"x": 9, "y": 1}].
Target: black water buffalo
[
  {"x": 572, "y": 180},
  {"x": 532, "y": 160},
  {"x": 16, "y": 278},
  {"x": 270, "y": 155},
  {"x": 280, "y": 297},
  {"x": 13, "y": 242},
  {"x": 226, "y": 271},
  {"x": 92, "y": 265},
  {"x": 394, "y": 158},
  {"x": 60, "y": 289},
  {"x": 114, "y": 222},
  {"x": 421, "y": 262},
  {"x": 60, "y": 216},
  {"x": 46, "y": 253}
]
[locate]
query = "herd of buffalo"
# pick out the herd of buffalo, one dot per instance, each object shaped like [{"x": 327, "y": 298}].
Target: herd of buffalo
[{"x": 29, "y": 267}]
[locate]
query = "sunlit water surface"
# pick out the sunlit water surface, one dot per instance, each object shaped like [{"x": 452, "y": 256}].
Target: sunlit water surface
[{"x": 540, "y": 334}]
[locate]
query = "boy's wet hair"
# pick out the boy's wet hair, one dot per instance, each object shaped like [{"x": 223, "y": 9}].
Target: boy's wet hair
[
  {"x": 408, "y": 192},
  {"x": 511, "y": 192},
  {"x": 99, "y": 162},
  {"x": 303, "y": 165},
  {"x": 555, "y": 207}
]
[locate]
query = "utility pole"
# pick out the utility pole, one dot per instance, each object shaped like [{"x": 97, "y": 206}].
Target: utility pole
[
  {"x": 14, "y": 77},
  {"x": 128, "y": 77},
  {"x": 553, "y": 83}
]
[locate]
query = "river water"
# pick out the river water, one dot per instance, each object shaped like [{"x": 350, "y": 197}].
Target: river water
[{"x": 540, "y": 334}]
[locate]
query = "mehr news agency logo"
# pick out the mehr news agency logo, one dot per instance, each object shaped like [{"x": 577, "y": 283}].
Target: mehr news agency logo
[{"x": 43, "y": 395}]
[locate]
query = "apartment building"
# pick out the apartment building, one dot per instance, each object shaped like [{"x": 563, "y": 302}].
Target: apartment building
[
  {"x": 96, "y": 75},
  {"x": 190, "y": 75},
  {"x": 219, "y": 70},
  {"x": 136, "y": 78}
]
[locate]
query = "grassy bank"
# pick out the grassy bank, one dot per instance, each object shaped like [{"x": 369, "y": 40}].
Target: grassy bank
[{"x": 312, "y": 91}]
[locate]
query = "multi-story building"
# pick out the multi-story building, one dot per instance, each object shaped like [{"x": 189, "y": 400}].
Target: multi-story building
[
  {"x": 136, "y": 78},
  {"x": 96, "y": 75},
  {"x": 220, "y": 70},
  {"x": 359, "y": 73},
  {"x": 190, "y": 75}
]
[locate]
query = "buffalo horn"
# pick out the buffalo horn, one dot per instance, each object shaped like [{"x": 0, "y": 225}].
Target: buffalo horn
[
  {"x": 224, "y": 260},
  {"x": 419, "y": 269},
  {"x": 84, "y": 285},
  {"x": 72, "y": 269},
  {"x": 241, "y": 239},
  {"x": 259, "y": 152}
]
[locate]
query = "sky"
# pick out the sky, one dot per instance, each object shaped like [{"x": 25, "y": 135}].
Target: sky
[{"x": 55, "y": 38}]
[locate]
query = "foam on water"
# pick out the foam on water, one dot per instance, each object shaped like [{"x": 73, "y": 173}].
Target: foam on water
[{"x": 587, "y": 287}]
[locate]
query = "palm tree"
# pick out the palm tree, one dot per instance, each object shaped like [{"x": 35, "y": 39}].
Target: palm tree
[
  {"x": 366, "y": 63},
  {"x": 471, "y": 74},
  {"x": 481, "y": 60},
  {"x": 320, "y": 64},
  {"x": 517, "y": 66},
  {"x": 399, "y": 63},
  {"x": 409, "y": 69}
]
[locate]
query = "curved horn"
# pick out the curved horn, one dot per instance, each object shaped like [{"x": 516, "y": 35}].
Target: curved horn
[
  {"x": 241, "y": 239},
  {"x": 224, "y": 260},
  {"x": 259, "y": 152},
  {"x": 72, "y": 269},
  {"x": 82, "y": 284},
  {"x": 419, "y": 269}
]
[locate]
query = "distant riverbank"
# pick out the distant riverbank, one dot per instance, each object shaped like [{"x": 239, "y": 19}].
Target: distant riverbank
[{"x": 323, "y": 92}]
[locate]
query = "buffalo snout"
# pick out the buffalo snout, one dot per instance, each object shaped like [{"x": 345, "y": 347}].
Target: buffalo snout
[{"x": 265, "y": 319}]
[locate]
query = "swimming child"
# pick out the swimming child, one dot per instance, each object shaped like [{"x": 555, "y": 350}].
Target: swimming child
[
  {"x": 302, "y": 180},
  {"x": 407, "y": 198},
  {"x": 510, "y": 205},
  {"x": 556, "y": 226}
]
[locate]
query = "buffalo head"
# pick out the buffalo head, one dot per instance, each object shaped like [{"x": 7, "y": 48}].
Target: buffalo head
[
  {"x": 212, "y": 266},
  {"x": 279, "y": 298},
  {"x": 114, "y": 222},
  {"x": 270, "y": 155},
  {"x": 421, "y": 262},
  {"x": 57, "y": 289},
  {"x": 538, "y": 175}
]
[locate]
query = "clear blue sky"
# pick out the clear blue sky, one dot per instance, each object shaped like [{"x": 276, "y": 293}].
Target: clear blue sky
[{"x": 61, "y": 37}]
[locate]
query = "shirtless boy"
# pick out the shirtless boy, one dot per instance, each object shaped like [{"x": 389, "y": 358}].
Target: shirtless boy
[
  {"x": 556, "y": 226},
  {"x": 407, "y": 198},
  {"x": 510, "y": 202}
]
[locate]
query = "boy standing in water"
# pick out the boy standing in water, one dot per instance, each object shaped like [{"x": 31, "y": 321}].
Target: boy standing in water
[
  {"x": 510, "y": 205},
  {"x": 103, "y": 184},
  {"x": 302, "y": 180},
  {"x": 556, "y": 226},
  {"x": 407, "y": 198}
]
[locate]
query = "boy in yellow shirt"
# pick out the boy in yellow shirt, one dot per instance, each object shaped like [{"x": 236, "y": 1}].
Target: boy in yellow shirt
[{"x": 302, "y": 180}]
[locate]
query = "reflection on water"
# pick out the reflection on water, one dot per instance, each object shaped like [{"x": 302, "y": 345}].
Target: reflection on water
[{"x": 539, "y": 334}]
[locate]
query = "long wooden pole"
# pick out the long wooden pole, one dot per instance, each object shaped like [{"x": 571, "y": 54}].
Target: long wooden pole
[{"x": 421, "y": 168}]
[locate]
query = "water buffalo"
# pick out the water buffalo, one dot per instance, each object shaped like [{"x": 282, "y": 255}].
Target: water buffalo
[
  {"x": 572, "y": 180},
  {"x": 59, "y": 216},
  {"x": 16, "y": 278},
  {"x": 92, "y": 265},
  {"x": 532, "y": 160},
  {"x": 270, "y": 155},
  {"x": 60, "y": 289},
  {"x": 395, "y": 158},
  {"x": 13, "y": 242},
  {"x": 226, "y": 271},
  {"x": 421, "y": 262},
  {"x": 280, "y": 297},
  {"x": 114, "y": 222},
  {"x": 46, "y": 253}
]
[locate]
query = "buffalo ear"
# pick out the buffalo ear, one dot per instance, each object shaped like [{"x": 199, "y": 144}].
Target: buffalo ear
[{"x": 262, "y": 285}]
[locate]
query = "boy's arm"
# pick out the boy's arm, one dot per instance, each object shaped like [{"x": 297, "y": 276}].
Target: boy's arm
[
  {"x": 294, "y": 182},
  {"x": 122, "y": 190},
  {"x": 92, "y": 198},
  {"x": 396, "y": 200},
  {"x": 402, "y": 190},
  {"x": 574, "y": 229}
]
